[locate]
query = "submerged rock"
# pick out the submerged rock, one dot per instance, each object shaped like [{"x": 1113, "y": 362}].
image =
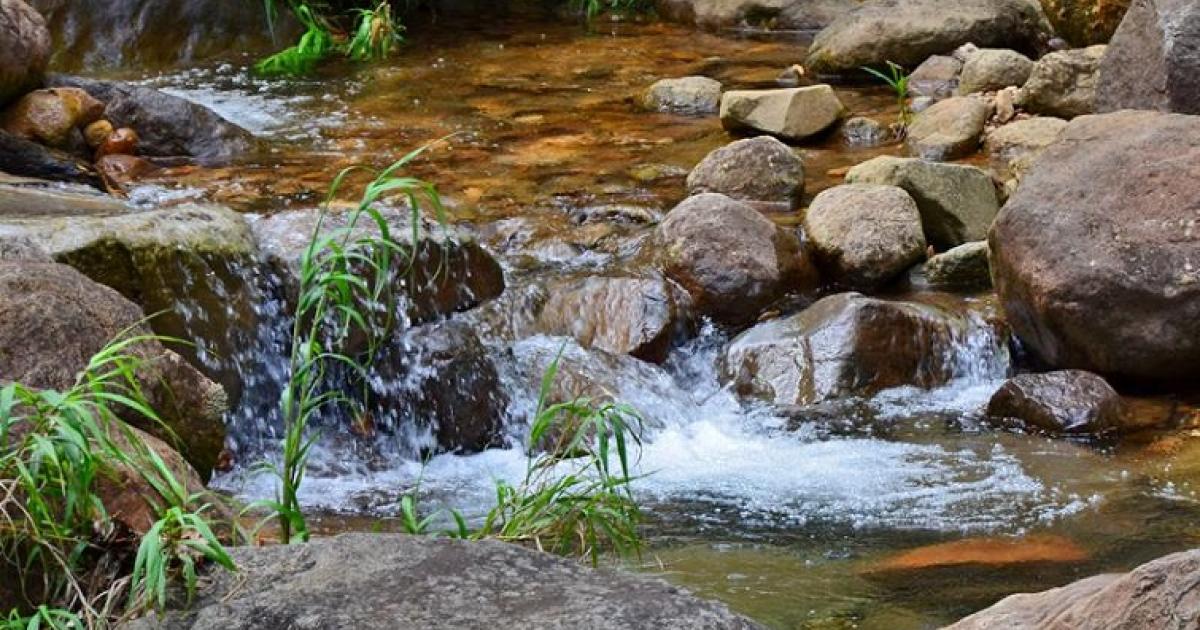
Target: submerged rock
[
  {"x": 760, "y": 169},
  {"x": 936, "y": 77},
  {"x": 845, "y": 345},
  {"x": 1063, "y": 84},
  {"x": 980, "y": 553},
  {"x": 949, "y": 129},
  {"x": 908, "y": 32},
  {"x": 991, "y": 69},
  {"x": 1095, "y": 256},
  {"x": 863, "y": 235},
  {"x": 732, "y": 260},
  {"x": 958, "y": 203},
  {"x": 789, "y": 113},
  {"x": 1153, "y": 61},
  {"x": 53, "y": 319},
  {"x": 448, "y": 584},
  {"x": 1163, "y": 594},
  {"x": 963, "y": 268},
  {"x": 24, "y": 49},
  {"x": 1012, "y": 149},
  {"x": 635, "y": 316},
  {"x": 1068, "y": 401},
  {"x": 167, "y": 126},
  {"x": 688, "y": 95},
  {"x": 866, "y": 132}
]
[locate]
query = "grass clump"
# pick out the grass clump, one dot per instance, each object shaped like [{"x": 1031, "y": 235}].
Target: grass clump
[
  {"x": 373, "y": 35},
  {"x": 897, "y": 79}
]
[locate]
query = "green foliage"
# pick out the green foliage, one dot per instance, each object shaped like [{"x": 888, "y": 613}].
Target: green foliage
[
  {"x": 56, "y": 448},
  {"x": 374, "y": 37},
  {"x": 174, "y": 545},
  {"x": 315, "y": 44},
  {"x": 591, "y": 9},
  {"x": 346, "y": 281},
  {"x": 897, "y": 79}
]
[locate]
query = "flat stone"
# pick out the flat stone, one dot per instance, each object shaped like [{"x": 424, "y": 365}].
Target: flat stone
[
  {"x": 687, "y": 95},
  {"x": 789, "y": 113},
  {"x": 949, "y": 129}
]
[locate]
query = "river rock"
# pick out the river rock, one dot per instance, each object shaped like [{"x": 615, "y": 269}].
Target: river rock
[
  {"x": 52, "y": 116},
  {"x": 759, "y": 169},
  {"x": 53, "y": 319},
  {"x": 1153, "y": 61},
  {"x": 988, "y": 554},
  {"x": 963, "y": 268},
  {"x": 1012, "y": 149},
  {"x": 1063, "y": 83},
  {"x": 863, "y": 132},
  {"x": 992, "y": 69},
  {"x": 24, "y": 49},
  {"x": 936, "y": 77},
  {"x": 957, "y": 203},
  {"x": 119, "y": 170},
  {"x": 158, "y": 33},
  {"x": 27, "y": 158},
  {"x": 1085, "y": 22},
  {"x": 167, "y": 126},
  {"x": 790, "y": 113},
  {"x": 448, "y": 584},
  {"x": 1068, "y": 401},
  {"x": 909, "y": 31},
  {"x": 1095, "y": 255},
  {"x": 732, "y": 260},
  {"x": 949, "y": 129},
  {"x": 123, "y": 141},
  {"x": 1163, "y": 594},
  {"x": 688, "y": 95},
  {"x": 843, "y": 345},
  {"x": 635, "y": 316},
  {"x": 863, "y": 235},
  {"x": 802, "y": 15}
]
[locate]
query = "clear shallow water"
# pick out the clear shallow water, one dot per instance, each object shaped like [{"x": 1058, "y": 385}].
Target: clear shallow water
[{"x": 784, "y": 519}]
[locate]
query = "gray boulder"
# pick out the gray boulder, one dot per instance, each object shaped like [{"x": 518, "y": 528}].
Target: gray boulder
[
  {"x": 789, "y": 113},
  {"x": 992, "y": 69},
  {"x": 863, "y": 132},
  {"x": 687, "y": 95},
  {"x": 1068, "y": 401},
  {"x": 963, "y": 268},
  {"x": 937, "y": 77},
  {"x": 907, "y": 32},
  {"x": 863, "y": 235},
  {"x": 949, "y": 129},
  {"x": 760, "y": 169},
  {"x": 1153, "y": 61},
  {"x": 957, "y": 203},
  {"x": 350, "y": 582},
  {"x": 1163, "y": 594},
  {"x": 1012, "y": 149},
  {"x": 24, "y": 49},
  {"x": 1063, "y": 84}
]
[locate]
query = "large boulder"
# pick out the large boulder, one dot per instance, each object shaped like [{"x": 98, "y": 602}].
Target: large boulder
[
  {"x": 1163, "y": 594},
  {"x": 1067, "y": 401},
  {"x": 1063, "y": 84},
  {"x": 157, "y": 32},
  {"x": 863, "y": 235},
  {"x": 845, "y": 345},
  {"x": 789, "y": 113},
  {"x": 24, "y": 49},
  {"x": 1085, "y": 22},
  {"x": 53, "y": 319},
  {"x": 1095, "y": 255},
  {"x": 53, "y": 117},
  {"x": 1013, "y": 148},
  {"x": 351, "y": 582},
  {"x": 732, "y": 260},
  {"x": 909, "y": 31},
  {"x": 949, "y": 129},
  {"x": 636, "y": 316},
  {"x": 990, "y": 69},
  {"x": 801, "y": 15},
  {"x": 957, "y": 202},
  {"x": 167, "y": 126},
  {"x": 687, "y": 95},
  {"x": 760, "y": 169},
  {"x": 1153, "y": 61}
]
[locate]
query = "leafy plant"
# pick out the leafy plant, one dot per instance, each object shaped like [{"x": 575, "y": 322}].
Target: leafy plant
[
  {"x": 897, "y": 79},
  {"x": 43, "y": 617},
  {"x": 175, "y": 544},
  {"x": 591, "y": 9},
  {"x": 376, "y": 35},
  {"x": 315, "y": 44},
  {"x": 346, "y": 280}
]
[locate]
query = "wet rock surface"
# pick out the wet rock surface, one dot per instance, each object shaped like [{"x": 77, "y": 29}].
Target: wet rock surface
[
  {"x": 1094, "y": 256},
  {"x": 1162, "y": 594},
  {"x": 756, "y": 169},
  {"x": 863, "y": 235},
  {"x": 1068, "y": 401},
  {"x": 1153, "y": 61},
  {"x": 448, "y": 584},
  {"x": 907, "y": 32},
  {"x": 53, "y": 319},
  {"x": 19, "y": 156},
  {"x": 789, "y": 113},
  {"x": 688, "y": 95},
  {"x": 957, "y": 203},
  {"x": 963, "y": 268},
  {"x": 24, "y": 49},
  {"x": 949, "y": 129},
  {"x": 1063, "y": 83},
  {"x": 732, "y": 260}
]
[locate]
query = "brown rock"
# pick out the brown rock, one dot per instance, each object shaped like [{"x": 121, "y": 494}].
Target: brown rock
[
  {"x": 1095, "y": 256},
  {"x": 97, "y": 132},
  {"x": 985, "y": 552},
  {"x": 759, "y": 169},
  {"x": 863, "y": 235},
  {"x": 1153, "y": 61},
  {"x": 120, "y": 170},
  {"x": 24, "y": 49},
  {"x": 1068, "y": 401},
  {"x": 49, "y": 116},
  {"x": 1085, "y": 22},
  {"x": 120, "y": 142}
]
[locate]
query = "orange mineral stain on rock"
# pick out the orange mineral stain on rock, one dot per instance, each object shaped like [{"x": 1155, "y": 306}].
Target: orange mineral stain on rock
[{"x": 988, "y": 552}]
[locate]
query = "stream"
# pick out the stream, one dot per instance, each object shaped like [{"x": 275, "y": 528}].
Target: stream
[{"x": 794, "y": 519}]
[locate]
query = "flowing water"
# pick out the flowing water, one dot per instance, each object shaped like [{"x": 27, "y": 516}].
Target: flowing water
[{"x": 789, "y": 518}]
